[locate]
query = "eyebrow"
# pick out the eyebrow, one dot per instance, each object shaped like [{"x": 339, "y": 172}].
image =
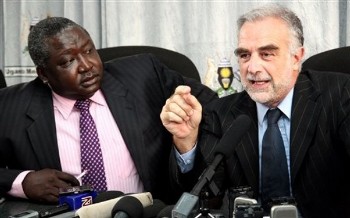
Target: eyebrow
[
  {"x": 240, "y": 51},
  {"x": 268, "y": 47}
]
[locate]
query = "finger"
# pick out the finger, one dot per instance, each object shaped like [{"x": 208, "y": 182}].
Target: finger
[
  {"x": 52, "y": 192},
  {"x": 171, "y": 112},
  {"x": 59, "y": 184},
  {"x": 50, "y": 195},
  {"x": 182, "y": 106},
  {"x": 181, "y": 109},
  {"x": 193, "y": 102},
  {"x": 180, "y": 90},
  {"x": 66, "y": 179},
  {"x": 52, "y": 198},
  {"x": 172, "y": 118}
]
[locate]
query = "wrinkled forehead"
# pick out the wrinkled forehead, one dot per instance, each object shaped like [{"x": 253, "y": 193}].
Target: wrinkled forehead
[
  {"x": 263, "y": 32},
  {"x": 69, "y": 36}
]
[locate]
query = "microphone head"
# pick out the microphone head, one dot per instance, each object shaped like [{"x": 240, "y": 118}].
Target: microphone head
[
  {"x": 152, "y": 210},
  {"x": 108, "y": 195},
  {"x": 233, "y": 135},
  {"x": 166, "y": 212},
  {"x": 129, "y": 205}
]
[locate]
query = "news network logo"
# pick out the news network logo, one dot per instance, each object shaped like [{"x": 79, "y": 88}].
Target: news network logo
[{"x": 85, "y": 201}]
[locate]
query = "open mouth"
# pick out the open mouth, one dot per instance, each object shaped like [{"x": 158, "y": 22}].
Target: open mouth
[{"x": 259, "y": 83}]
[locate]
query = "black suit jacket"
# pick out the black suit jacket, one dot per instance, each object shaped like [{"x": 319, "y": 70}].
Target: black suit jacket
[
  {"x": 319, "y": 144},
  {"x": 135, "y": 89}
]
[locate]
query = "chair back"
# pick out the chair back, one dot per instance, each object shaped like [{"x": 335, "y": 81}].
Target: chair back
[
  {"x": 2, "y": 80},
  {"x": 172, "y": 59},
  {"x": 337, "y": 60}
]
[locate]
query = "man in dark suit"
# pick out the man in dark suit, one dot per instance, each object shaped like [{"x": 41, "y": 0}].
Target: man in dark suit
[
  {"x": 39, "y": 131},
  {"x": 315, "y": 121}
]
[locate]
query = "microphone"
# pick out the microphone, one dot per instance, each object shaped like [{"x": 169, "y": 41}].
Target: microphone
[
  {"x": 152, "y": 210},
  {"x": 166, "y": 212},
  {"x": 26, "y": 214},
  {"x": 108, "y": 195},
  {"x": 77, "y": 196},
  {"x": 71, "y": 199},
  {"x": 60, "y": 209},
  {"x": 65, "y": 210},
  {"x": 283, "y": 207},
  {"x": 225, "y": 148},
  {"x": 284, "y": 211},
  {"x": 128, "y": 207},
  {"x": 103, "y": 209},
  {"x": 242, "y": 200}
]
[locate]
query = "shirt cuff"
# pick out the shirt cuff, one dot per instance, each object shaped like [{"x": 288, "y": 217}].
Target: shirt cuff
[
  {"x": 17, "y": 188},
  {"x": 186, "y": 160}
]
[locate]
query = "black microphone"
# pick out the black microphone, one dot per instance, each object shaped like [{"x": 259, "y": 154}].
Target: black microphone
[
  {"x": 224, "y": 149},
  {"x": 107, "y": 195},
  {"x": 128, "y": 207},
  {"x": 152, "y": 211},
  {"x": 282, "y": 211},
  {"x": 166, "y": 212}
]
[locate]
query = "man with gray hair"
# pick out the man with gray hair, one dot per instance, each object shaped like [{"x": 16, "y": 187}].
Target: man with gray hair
[{"x": 298, "y": 143}]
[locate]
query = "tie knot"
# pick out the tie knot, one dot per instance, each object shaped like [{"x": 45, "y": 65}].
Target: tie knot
[
  {"x": 273, "y": 115},
  {"x": 83, "y": 105}
]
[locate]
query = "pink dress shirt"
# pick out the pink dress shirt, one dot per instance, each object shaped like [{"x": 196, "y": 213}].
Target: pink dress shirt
[{"x": 121, "y": 173}]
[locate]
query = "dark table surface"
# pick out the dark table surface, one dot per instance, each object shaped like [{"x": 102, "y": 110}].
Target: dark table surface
[{"x": 11, "y": 207}]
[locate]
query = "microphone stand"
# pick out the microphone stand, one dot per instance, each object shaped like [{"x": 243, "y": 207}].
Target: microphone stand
[
  {"x": 184, "y": 206},
  {"x": 204, "y": 210}
]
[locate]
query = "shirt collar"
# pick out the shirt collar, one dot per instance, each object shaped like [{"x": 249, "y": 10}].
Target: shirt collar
[
  {"x": 285, "y": 106},
  {"x": 65, "y": 106}
]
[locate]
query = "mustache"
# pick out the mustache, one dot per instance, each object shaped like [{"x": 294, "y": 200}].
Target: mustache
[
  {"x": 88, "y": 74},
  {"x": 252, "y": 77}
]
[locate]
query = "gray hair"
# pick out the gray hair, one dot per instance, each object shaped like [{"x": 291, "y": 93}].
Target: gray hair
[
  {"x": 40, "y": 34},
  {"x": 277, "y": 11}
]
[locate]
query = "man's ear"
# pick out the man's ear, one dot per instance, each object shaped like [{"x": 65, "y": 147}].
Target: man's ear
[
  {"x": 298, "y": 57},
  {"x": 41, "y": 73}
]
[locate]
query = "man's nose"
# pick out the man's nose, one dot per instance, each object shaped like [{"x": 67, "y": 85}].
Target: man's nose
[
  {"x": 84, "y": 64},
  {"x": 254, "y": 64}
]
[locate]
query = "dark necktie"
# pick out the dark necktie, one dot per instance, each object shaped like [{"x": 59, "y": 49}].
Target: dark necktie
[
  {"x": 274, "y": 170},
  {"x": 91, "y": 155}
]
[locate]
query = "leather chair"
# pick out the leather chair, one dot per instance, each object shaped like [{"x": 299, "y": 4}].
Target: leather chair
[
  {"x": 2, "y": 80},
  {"x": 337, "y": 60},
  {"x": 174, "y": 60}
]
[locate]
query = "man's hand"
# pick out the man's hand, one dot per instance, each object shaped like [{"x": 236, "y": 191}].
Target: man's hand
[
  {"x": 43, "y": 185},
  {"x": 181, "y": 116}
]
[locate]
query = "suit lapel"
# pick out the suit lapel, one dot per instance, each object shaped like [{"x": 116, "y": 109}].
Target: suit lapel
[
  {"x": 123, "y": 109},
  {"x": 305, "y": 113},
  {"x": 247, "y": 150},
  {"x": 42, "y": 130}
]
